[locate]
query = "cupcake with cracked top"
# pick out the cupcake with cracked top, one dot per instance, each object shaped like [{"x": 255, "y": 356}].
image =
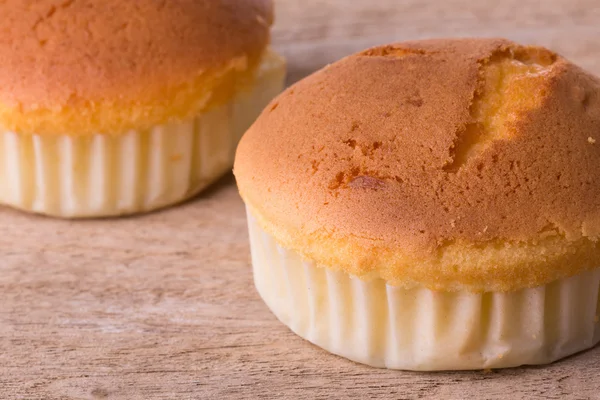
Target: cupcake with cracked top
[
  {"x": 117, "y": 107},
  {"x": 431, "y": 205}
]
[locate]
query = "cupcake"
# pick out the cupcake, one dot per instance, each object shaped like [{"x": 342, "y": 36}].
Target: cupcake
[
  {"x": 431, "y": 205},
  {"x": 119, "y": 107}
]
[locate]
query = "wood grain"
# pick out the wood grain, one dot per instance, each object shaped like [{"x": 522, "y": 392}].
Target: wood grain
[
  {"x": 313, "y": 33},
  {"x": 162, "y": 306}
]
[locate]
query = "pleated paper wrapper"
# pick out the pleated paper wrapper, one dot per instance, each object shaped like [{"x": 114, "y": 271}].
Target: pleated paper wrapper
[
  {"x": 380, "y": 325},
  {"x": 104, "y": 175}
]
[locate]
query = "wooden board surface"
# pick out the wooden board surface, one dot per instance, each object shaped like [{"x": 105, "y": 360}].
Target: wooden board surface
[{"x": 163, "y": 306}]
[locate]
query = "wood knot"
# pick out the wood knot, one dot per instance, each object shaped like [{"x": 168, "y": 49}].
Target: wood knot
[{"x": 99, "y": 393}]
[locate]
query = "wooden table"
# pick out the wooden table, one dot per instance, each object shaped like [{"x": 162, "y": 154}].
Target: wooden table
[{"x": 163, "y": 306}]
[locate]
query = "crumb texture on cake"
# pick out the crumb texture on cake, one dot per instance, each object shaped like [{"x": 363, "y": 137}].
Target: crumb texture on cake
[
  {"x": 89, "y": 66},
  {"x": 451, "y": 164}
]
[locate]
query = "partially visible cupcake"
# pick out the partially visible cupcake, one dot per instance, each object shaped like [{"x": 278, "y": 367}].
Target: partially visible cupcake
[
  {"x": 431, "y": 205},
  {"x": 116, "y": 107}
]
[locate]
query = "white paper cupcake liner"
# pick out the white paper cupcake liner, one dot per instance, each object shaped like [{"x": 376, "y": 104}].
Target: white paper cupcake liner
[
  {"x": 419, "y": 329},
  {"x": 104, "y": 175}
]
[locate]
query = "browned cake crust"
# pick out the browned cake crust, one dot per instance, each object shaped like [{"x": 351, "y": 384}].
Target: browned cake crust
[
  {"x": 445, "y": 163},
  {"x": 87, "y": 65}
]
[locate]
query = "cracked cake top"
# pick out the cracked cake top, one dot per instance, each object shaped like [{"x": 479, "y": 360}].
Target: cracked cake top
[{"x": 467, "y": 163}]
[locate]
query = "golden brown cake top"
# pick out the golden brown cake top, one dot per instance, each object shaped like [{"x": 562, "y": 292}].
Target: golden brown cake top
[
  {"x": 393, "y": 159},
  {"x": 154, "y": 58}
]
